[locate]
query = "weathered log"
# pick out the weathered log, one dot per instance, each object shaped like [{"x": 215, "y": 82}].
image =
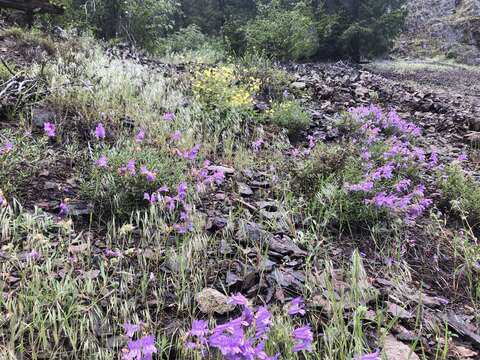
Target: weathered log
[{"x": 32, "y": 6}]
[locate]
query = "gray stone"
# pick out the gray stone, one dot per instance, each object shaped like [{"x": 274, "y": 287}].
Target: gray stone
[{"x": 40, "y": 117}]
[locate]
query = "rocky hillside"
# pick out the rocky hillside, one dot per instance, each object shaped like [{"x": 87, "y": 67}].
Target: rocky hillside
[{"x": 443, "y": 27}]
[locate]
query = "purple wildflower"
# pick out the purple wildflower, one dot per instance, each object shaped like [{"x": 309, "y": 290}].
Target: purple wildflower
[
  {"x": 383, "y": 200},
  {"x": 148, "y": 174},
  {"x": 295, "y": 152},
  {"x": 419, "y": 190},
  {"x": 131, "y": 167},
  {"x": 384, "y": 172},
  {"x": 199, "y": 328},
  {"x": 142, "y": 349},
  {"x": 32, "y": 255},
  {"x": 169, "y": 203},
  {"x": 150, "y": 198},
  {"x": 296, "y": 307},
  {"x": 218, "y": 178},
  {"x": 192, "y": 153},
  {"x": 462, "y": 158},
  {"x": 163, "y": 189},
  {"x": 403, "y": 185},
  {"x": 433, "y": 161},
  {"x": 419, "y": 154},
  {"x": 169, "y": 116},
  {"x": 140, "y": 136},
  {"x": 63, "y": 209},
  {"x": 176, "y": 136},
  {"x": 304, "y": 337},
  {"x": 112, "y": 253},
  {"x": 182, "y": 191},
  {"x": 365, "y": 155},
  {"x": 199, "y": 331},
  {"x": 365, "y": 186},
  {"x": 6, "y": 148},
  {"x": 49, "y": 129},
  {"x": 3, "y": 201},
  {"x": 373, "y": 356},
  {"x": 130, "y": 329},
  {"x": 257, "y": 144},
  {"x": 263, "y": 321},
  {"x": 418, "y": 209},
  {"x": 102, "y": 162},
  {"x": 100, "y": 131},
  {"x": 238, "y": 299}
]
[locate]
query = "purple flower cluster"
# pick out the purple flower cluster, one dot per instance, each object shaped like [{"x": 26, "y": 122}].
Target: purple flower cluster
[
  {"x": 303, "y": 337},
  {"x": 373, "y": 356},
  {"x": 64, "y": 210},
  {"x": 257, "y": 144},
  {"x": 49, "y": 129},
  {"x": 140, "y": 136},
  {"x": 373, "y": 120},
  {"x": 6, "y": 148},
  {"x": 171, "y": 203},
  {"x": 169, "y": 116},
  {"x": 206, "y": 178},
  {"x": 102, "y": 162},
  {"x": 297, "y": 306},
  {"x": 395, "y": 162},
  {"x": 100, "y": 131},
  {"x": 141, "y": 349},
  {"x": 189, "y": 154},
  {"x": 232, "y": 340},
  {"x": 149, "y": 175}
]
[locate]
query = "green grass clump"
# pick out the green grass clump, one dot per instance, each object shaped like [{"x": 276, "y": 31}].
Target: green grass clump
[
  {"x": 289, "y": 115},
  {"x": 19, "y": 165},
  {"x": 115, "y": 191},
  {"x": 29, "y": 38},
  {"x": 462, "y": 193},
  {"x": 5, "y": 69}
]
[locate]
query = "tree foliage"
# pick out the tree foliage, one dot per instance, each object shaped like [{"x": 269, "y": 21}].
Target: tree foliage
[{"x": 283, "y": 29}]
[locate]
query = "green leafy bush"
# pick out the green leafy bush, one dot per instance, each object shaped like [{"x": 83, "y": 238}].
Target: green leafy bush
[
  {"x": 289, "y": 115},
  {"x": 273, "y": 79},
  {"x": 283, "y": 34},
  {"x": 188, "y": 38},
  {"x": 462, "y": 193}
]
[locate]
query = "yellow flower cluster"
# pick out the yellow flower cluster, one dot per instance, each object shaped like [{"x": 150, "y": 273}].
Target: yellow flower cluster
[{"x": 221, "y": 87}]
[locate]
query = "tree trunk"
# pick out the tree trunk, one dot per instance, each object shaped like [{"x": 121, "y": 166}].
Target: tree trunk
[
  {"x": 221, "y": 5},
  {"x": 355, "y": 41},
  {"x": 113, "y": 19}
]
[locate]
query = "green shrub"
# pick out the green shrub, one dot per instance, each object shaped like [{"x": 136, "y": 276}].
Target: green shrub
[
  {"x": 273, "y": 79},
  {"x": 289, "y": 115},
  {"x": 189, "y": 38},
  {"x": 191, "y": 45},
  {"x": 462, "y": 193},
  {"x": 283, "y": 34}
]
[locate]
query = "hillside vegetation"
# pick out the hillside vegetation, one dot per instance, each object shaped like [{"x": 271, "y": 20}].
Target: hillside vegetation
[{"x": 194, "y": 200}]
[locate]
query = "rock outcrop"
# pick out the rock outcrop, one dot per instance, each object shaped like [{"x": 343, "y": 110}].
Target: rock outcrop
[{"x": 442, "y": 27}]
